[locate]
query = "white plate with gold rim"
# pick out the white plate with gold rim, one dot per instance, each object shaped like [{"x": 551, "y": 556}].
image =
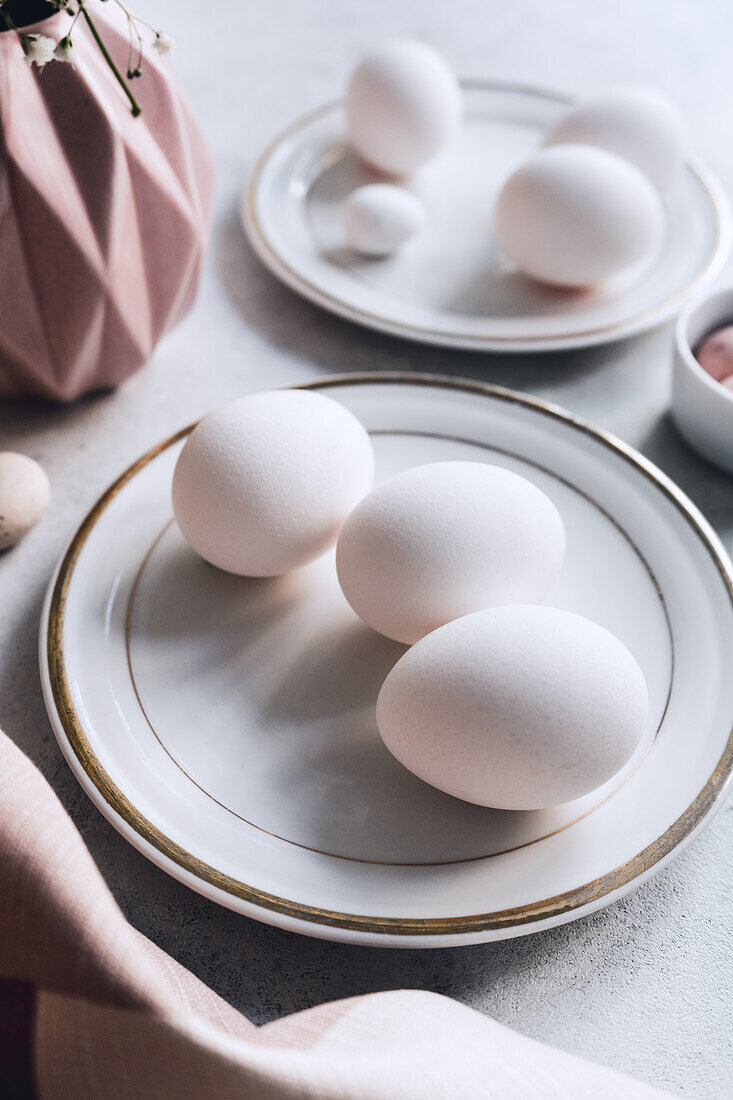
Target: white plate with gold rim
[
  {"x": 226, "y": 726},
  {"x": 448, "y": 286}
]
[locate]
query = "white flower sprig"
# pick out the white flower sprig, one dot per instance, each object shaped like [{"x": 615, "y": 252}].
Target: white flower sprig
[
  {"x": 66, "y": 49},
  {"x": 162, "y": 43},
  {"x": 39, "y": 49}
]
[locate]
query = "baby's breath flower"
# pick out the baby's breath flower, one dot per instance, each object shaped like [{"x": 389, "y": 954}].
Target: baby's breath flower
[
  {"x": 162, "y": 42},
  {"x": 66, "y": 50},
  {"x": 38, "y": 48}
]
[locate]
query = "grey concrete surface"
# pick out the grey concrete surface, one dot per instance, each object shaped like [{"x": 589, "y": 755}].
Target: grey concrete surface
[{"x": 643, "y": 986}]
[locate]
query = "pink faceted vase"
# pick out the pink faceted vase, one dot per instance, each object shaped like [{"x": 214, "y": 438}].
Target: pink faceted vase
[{"x": 103, "y": 217}]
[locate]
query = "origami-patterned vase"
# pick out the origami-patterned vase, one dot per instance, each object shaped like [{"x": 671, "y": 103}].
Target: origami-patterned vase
[{"x": 103, "y": 217}]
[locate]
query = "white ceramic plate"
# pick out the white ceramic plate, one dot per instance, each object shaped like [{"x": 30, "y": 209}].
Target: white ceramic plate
[
  {"x": 448, "y": 286},
  {"x": 226, "y": 726}
]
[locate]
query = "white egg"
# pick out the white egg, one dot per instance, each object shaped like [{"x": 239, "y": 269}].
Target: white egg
[
  {"x": 379, "y": 218},
  {"x": 24, "y": 495},
  {"x": 639, "y": 124},
  {"x": 441, "y": 540},
  {"x": 519, "y": 708},
  {"x": 403, "y": 105},
  {"x": 574, "y": 215},
  {"x": 263, "y": 484}
]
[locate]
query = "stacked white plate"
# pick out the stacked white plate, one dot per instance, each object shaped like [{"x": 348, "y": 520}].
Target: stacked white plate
[{"x": 449, "y": 285}]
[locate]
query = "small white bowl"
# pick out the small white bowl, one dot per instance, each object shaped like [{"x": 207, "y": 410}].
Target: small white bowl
[{"x": 701, "y": 408}]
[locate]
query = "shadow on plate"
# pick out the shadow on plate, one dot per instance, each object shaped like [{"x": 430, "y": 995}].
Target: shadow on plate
[
  {"x": 284, "y": 680},
  {"x": 333, "y": 345}
]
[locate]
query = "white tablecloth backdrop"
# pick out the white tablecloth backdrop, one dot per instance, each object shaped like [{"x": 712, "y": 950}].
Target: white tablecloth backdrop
[{"x": 641, "y": 986}]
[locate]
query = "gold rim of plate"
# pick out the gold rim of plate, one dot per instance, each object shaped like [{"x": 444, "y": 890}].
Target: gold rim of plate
[
  {"x": 547, "y": 908},
  {"x": 335, "y": 304}
]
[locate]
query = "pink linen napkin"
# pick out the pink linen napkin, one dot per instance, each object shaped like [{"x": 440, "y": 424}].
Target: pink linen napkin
[{"x": 90, "y": 1008}]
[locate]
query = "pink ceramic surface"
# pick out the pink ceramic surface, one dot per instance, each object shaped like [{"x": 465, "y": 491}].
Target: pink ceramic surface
[{"x": 103, "y": 217}]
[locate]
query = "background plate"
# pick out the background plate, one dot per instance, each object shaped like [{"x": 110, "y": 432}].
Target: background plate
[
  {"x": 226, "y": 726},
  {"x": 449, "y": 286}
]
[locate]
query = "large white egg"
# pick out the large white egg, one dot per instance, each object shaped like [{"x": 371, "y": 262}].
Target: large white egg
[
  {"x": 441, "y": 540},
  {"x": 636, "y": 123},
  {"x": 519, "y": 708},
  {"x": 573, "y": 215},
  {"x": 379, "y": 218},
  {"x": 263, "y": 484},
  {"x": 403, "y": 105}
]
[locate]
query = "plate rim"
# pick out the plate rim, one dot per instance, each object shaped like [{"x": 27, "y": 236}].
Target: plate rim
[
  {"x": 119, "y": 810},
  {"x": 642, "y": 321}
]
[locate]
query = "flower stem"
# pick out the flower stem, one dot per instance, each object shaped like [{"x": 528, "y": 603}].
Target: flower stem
[
  {"x": 8, "y": 19},
  {"x": 134, "y": 105}
]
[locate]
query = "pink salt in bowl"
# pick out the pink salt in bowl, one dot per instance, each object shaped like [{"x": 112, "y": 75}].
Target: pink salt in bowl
[{"x": 702, "y": 408}]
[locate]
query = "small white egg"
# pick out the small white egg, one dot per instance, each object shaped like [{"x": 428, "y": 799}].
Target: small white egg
[
  {"x": 441, "y": 540},
  {"x": 24, "y": 496},
  {"x": 263, "y": 484},
  {"x": 403, "y": 105},
  {"x": 379, "y": 218},
  {"x": 573, "y": 215},
  {"x": 519, "y": 708},
  {"x": 636, "y": 123}
]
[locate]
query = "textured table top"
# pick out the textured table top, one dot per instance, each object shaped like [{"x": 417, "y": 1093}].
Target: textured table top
[{"x": 643, "y": 986}]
